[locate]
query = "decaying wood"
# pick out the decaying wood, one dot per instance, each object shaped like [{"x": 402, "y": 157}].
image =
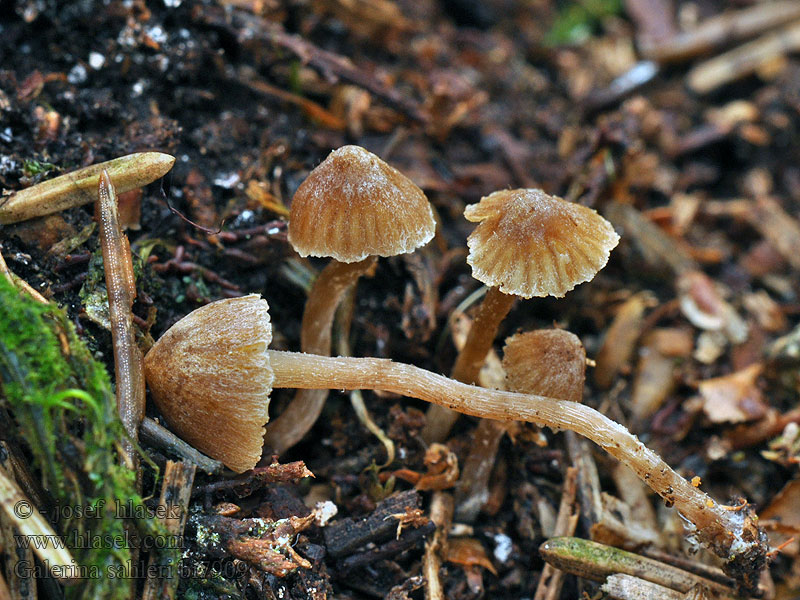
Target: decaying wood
[
  {"x": 345, "y": 536},
  {"x": 153, "y": 434},
  {"x": 390, "y": 548},
  {"x": 176, "y": 491}
]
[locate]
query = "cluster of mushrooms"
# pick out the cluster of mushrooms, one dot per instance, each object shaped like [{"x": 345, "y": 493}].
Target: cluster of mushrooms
[{"x": 211, "y": 374}]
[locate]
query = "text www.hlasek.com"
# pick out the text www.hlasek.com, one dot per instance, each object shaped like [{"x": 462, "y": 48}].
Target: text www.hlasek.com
[{"x": 86, "y": 540}]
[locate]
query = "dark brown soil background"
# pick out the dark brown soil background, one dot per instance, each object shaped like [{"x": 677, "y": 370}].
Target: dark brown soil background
[{"x": 464, "y": 97}]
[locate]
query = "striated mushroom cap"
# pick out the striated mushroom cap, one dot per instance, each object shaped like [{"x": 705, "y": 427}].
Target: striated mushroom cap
[
  {"x": 211, "y": 378},
  {"x": 549, "y": 362},
  {"x": 529, "y": 243},
  {"x": 354, "y": 205}
]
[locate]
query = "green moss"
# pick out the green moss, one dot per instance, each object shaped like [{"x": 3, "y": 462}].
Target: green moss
[
  {"x": 61, "y": 400},
  {"x": 577, "y": 21}
]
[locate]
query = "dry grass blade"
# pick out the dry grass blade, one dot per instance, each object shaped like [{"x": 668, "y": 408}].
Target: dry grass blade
[
  {"x": 80, "y": 187},
  {"x": 596, "y": 561},
  {"x": 442, "y": 516},
  {"x": 121, "y": 286},
  {"x": 33, "y": 527},
  {"x": 626, "y": 587}
]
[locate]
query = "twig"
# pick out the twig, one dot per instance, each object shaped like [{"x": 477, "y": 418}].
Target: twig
[
  {"x": 388, "y": 549},
  {"x": 154, "y": 434},
  {"x": 251, "y": 29},
  {"x": 20, "y": 283},
  {"x": 441, "y": 516},
  {"x": 776, "y": 225},
  {"x": 551, "y": 579},
  {"x": 254, "y": 479},
  {"x": 176, "y": 490},
  {"x": 346, "y": 535},
  {"x": 744, "y": 60},
  {"x": 722, "y": 30}
]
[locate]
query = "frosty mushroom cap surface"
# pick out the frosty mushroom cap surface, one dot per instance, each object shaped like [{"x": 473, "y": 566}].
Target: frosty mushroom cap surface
[
  {"x": 549, "y": 362},
  {"x": 354, "y": 205},
  {"x": 529, "y": 243},
  {"x": 211, "y": 378}
]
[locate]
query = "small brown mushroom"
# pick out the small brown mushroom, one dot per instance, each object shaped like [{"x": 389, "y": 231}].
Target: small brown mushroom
[
  {"x": 351, "y": 207},
  {"x": 527, "y": 243},
  {"x": 212, "y": 372},
  {"x": 354, "y": 205},
  {"x": 548, "y": 362}
]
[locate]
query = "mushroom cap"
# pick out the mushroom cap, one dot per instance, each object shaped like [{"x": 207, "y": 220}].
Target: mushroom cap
[
  {"x": 211, "y": 378},
  {"x": 353, "y": 205},
  {"x": 529, "y": 243},
  {"x": 548, "y": 362}
]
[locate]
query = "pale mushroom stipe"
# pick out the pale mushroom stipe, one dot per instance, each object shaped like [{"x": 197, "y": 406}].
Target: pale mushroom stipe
[
  {"x": 353, "y": 207},
  {"x": 211, "y": 375}
]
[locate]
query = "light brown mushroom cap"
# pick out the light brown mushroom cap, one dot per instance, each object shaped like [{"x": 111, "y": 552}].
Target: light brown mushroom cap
[
  {"x": 354, "y": 205},
  {"x": 548, "y": 362},
  {"x": 529, "y": 243},
  {"x": 211, "y": 378}
]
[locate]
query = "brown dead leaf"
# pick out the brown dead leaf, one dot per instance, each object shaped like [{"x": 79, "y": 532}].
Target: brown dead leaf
[
  {"x": 733, "y": 398},
  {"x": 621, "y": 338},
  {"x": 782, "y": 516},
  {"x": 442, "y": 466},
  {"x": 467, "y": 553}
]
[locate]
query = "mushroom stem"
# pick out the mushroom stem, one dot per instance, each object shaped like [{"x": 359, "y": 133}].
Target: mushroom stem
[
  {"x": 729, "y": 533},
  {"x": 315, "y": 338},
  {"x": 492, "y": 311}
]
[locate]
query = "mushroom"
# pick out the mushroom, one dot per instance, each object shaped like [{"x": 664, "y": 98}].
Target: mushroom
[
  {"x": 527, "y": 243},
  {"x": 212, "y": 372},
  {"x": 548, "y": 362},
  {"x": 351, "y": 207}
]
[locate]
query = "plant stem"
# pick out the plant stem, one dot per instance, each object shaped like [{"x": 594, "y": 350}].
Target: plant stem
[
  {"x": 493, "y": 310},
  {"x": 315, "y": 338},
  {"x": 728, "y": 533}
]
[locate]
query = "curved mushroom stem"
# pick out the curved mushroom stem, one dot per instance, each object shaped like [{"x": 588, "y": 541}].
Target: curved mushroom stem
[
  {"x": 731, "y": 534},
  {"x": 473, "y": 486},
  {"x": 493, "y": 309},
  {"x": 315, "y": 337}
]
